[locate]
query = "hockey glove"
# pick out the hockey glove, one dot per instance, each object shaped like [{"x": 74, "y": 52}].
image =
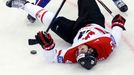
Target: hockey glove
[
  {"x": 45, "y": 40},
  {"x": 118, "y": 20}
]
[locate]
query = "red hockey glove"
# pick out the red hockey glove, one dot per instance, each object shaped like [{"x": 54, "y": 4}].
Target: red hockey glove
[
  {"x": 118, "y": 20},
  {"x": 45, "y": 40}
]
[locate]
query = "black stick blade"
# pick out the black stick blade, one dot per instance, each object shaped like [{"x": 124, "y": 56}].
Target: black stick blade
[{"x": 32, "y": 41}]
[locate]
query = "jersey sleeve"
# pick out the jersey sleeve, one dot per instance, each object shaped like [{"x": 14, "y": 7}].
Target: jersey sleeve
[
  {"x": 116, "y": 35},
  {"x": 55, "y": 56},
  {"x": 59, "y": 58},
  {"x": 62, "y": 56},
  {"x": 50, "y": 56}
]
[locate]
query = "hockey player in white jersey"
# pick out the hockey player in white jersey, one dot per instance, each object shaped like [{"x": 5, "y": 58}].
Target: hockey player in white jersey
[{"x": 90, "y": 41}]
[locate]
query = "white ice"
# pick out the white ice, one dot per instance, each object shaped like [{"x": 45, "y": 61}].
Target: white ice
[{"x": 15, "y": 57}]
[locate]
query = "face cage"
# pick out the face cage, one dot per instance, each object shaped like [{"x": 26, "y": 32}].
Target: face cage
[{"x": 86, "y": 60}]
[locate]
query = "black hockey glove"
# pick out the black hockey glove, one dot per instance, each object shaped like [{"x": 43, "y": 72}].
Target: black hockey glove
[
  {"x": 118, "y": 20},
  {"x": 45, "y": 40}
]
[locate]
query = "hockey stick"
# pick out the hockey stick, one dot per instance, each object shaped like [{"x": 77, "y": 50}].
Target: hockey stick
[
  {"x": 56, "y": 15},
  {"x": 108, "y": 10},
  {"x": 34, "y": 41}
]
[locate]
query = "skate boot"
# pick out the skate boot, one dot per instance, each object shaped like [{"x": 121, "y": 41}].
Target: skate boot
[
  {"x": 41, "y": 3},
  {"x": 16, "y": 3},
  {"x": 121, "y": 5},
  {"x": 30, "y": 18}
]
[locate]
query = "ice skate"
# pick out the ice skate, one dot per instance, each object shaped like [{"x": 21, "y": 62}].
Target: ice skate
[{"x": 16, "y": 3}]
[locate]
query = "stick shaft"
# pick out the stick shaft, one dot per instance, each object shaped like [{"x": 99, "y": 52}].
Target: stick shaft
[
  {"x": 34, "y": 41},
  {"x": 55, "y": 15},
  {"x": 108, "y": 10}
]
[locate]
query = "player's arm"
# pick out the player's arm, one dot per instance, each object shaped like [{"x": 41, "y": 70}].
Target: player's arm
[
  {"x": 118, "y": 23},
  {"x": 47, "y": 43}
]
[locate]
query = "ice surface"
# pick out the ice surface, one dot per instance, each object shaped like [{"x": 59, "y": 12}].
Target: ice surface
[{"x": 15, "y": 57}]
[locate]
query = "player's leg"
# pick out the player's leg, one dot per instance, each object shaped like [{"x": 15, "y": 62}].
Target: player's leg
[
  {"x": 37, "y": 12},
  {"x": 63, "y": 27},
  {"x": 41, "y": 3},
  {"x": 88, "y": 12}
]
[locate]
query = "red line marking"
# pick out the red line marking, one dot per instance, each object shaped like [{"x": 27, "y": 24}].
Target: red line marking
[{"x": 127, "y": 42}]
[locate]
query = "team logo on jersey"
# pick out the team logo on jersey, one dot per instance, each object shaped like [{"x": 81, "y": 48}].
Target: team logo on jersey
[{"x": 60, "y": 59}]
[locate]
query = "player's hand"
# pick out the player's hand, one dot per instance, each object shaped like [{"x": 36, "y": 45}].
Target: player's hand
[
  {"x": 45, "y": 40},
  {"x": 118, "y": 20}
]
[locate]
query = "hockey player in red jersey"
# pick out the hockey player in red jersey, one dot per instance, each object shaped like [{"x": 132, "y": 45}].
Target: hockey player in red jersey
[{"x": 90, "y": 41}]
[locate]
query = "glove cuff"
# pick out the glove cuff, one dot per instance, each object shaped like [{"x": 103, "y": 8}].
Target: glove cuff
[
  {"x": 118, "y": 24},
  {"x": 50, "y": 47}
]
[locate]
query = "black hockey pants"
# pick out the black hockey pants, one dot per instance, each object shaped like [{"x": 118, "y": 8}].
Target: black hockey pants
[{"x": 88, "y": 12}]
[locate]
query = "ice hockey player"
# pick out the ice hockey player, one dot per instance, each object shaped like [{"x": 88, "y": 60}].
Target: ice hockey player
[
  {"x": 121, "y": 5},
  {"x": 90, "y": 40}
]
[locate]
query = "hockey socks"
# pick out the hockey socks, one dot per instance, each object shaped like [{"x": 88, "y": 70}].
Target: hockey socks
[{"x": 41, "y": 3}]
